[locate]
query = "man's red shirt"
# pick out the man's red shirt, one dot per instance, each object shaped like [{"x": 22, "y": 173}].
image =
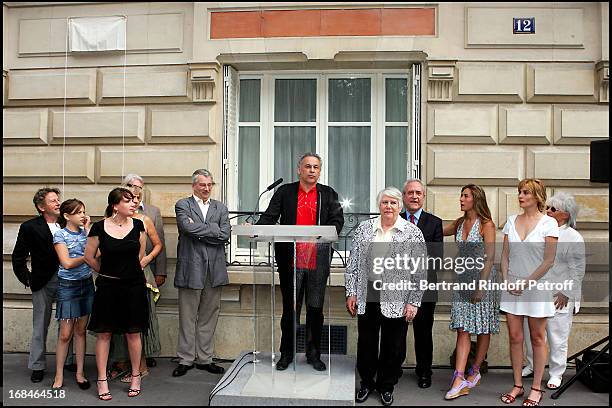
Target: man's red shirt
[{"x": 306, "y": 215}]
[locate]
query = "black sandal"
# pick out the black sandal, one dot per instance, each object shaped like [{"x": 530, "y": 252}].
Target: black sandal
[
  {"x": 105, "y": 394},
  {"x": 132, "y": 392}
]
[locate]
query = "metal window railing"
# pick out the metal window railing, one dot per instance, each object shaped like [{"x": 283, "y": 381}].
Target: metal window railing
[{"x": 242, "y": 253}]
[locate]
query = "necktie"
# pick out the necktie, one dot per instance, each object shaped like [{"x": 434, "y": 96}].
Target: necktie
[{"x": 412, "y": 218}]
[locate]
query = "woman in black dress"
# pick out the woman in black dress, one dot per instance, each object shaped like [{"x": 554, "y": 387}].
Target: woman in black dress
[{"x": 120, "y": 302}]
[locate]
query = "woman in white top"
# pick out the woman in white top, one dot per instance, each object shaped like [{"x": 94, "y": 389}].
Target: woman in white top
[{"x": 530, "y": 241}]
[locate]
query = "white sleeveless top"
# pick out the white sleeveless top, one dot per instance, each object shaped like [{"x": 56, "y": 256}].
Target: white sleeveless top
[{"x": 525, "y": 257}]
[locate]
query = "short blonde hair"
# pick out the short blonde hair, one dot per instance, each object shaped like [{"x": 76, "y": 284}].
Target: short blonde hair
[{"x": 537, "y": 189}]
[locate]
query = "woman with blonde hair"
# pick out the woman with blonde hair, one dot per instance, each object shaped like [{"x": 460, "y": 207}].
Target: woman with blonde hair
[
  {"x": 530, "y": 244},
  {"x": 474, "y": 312}
]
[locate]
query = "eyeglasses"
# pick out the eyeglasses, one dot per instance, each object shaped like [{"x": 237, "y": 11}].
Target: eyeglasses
[
  {"x": 552, "y": 209},
  {"x": 134, "y": 186}
]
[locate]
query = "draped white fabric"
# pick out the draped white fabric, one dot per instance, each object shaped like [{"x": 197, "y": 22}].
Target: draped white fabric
[{"x": 97, "y": 33}]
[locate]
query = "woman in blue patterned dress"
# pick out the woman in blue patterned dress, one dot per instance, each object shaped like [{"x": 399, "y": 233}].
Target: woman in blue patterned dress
[{"x": 473, "y": 312}]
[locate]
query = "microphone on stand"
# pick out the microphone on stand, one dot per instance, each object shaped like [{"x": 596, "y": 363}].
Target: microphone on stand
[{"x": 270, "y": 187}]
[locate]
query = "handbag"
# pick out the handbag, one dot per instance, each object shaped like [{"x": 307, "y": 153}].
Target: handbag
[{"x": 597, "y": 376}]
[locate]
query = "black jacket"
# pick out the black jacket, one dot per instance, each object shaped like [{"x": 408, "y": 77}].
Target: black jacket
[
  {"x": 431, "y": 227},
  {"x": 284, "y": 205},
  {"x": 35, "y": 239}
]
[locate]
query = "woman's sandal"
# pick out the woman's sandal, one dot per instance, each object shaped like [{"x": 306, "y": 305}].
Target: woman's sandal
[
  {"x": 532, "y": 403},
  {"x": 508, "y": 398},
  {"x": 116, "y": 372},
  {"x": 106, "y": 396},
  {"x": 133, "y": 392},
  {"x": 128, "y": 377}
]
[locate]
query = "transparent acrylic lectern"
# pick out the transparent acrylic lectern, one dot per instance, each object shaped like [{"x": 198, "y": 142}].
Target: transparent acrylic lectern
[{"x": 290, "y": 234}]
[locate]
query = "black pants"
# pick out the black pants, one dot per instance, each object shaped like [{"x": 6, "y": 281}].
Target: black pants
[
  {"x": 422, "y": 326},
  {"x": 385, "y": 363},
  {"x": 314, "y": 291}
]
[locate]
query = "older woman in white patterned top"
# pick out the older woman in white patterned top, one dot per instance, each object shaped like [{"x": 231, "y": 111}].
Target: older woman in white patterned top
[{"x": 384, "y": 298}]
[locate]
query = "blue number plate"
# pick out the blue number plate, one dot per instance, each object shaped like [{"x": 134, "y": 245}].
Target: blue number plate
[{"x": 524, "y": 25}]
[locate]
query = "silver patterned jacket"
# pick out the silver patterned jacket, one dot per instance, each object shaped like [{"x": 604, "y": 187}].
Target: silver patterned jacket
[{"x": 408, "y": 241}]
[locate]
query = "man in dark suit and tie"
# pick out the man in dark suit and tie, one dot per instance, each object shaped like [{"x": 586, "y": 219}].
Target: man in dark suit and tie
[
  {"x": 35, "y": 239},
  {"x": 431, "y": 226},
  {"x": 204, "y": 229}
]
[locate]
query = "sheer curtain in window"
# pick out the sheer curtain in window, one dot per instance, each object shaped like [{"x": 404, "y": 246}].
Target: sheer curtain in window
[
  {"x": 349, "y": 145},
  {"x": 396, "y": 131},
  {"x": 295, "y": 104},
  {"x": 248, "y": 144}
]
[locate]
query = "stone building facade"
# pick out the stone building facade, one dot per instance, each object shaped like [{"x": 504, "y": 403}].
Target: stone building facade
[{"x": 202, "y": 85}]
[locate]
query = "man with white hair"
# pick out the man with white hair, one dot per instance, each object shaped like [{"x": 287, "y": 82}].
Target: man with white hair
[
  {"x": 413, "y": 197},
  {"x": 569, "y": 265}
]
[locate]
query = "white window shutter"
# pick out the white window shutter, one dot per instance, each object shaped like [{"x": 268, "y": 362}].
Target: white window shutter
[
  {"x": 415, "y": 148},
  {"x": 230, "y": 122},
  {"x": 97, "y": 33}
]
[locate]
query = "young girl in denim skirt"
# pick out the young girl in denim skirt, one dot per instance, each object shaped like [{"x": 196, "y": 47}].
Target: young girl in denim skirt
[{"x": 75, "y": 290}]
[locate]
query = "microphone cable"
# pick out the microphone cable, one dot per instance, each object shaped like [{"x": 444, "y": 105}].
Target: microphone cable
[{"x": 218, "y": 388}]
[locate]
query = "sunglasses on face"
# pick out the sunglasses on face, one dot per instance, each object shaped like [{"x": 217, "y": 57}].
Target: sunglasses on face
[
  {"x": 134, "y": 186},
  {"x": 552, "y": 209}
]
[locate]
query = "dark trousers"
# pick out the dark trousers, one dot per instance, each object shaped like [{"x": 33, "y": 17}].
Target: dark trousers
[
  {"x": 42, "y": 303},
  {"x": 314, "y": 293},
  {"x": 384, "y": 363},
  {"x": 422, "y": 326}
]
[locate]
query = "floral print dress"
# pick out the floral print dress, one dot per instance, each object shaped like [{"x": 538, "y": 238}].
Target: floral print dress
[{"x": 481, "y": 317}]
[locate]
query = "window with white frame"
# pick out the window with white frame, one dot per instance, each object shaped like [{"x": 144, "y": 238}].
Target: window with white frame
[{"x": 360, "y": 123}]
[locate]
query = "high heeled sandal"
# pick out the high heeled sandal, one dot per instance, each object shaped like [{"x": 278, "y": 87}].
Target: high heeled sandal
[
  {"x": 106, "y": 396},
  {"x": 133, "y": 392},
  {"x": 508, "y": 398},
  {"x": 532, "y": 403},
  {"x": 128, "y": 377}
]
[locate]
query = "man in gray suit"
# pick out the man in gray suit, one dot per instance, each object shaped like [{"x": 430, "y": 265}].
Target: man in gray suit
[{"x": 204, "y": 229}]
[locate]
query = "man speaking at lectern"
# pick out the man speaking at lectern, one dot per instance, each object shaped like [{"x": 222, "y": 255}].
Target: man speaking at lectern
[{"x": 304, "y": 202}]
